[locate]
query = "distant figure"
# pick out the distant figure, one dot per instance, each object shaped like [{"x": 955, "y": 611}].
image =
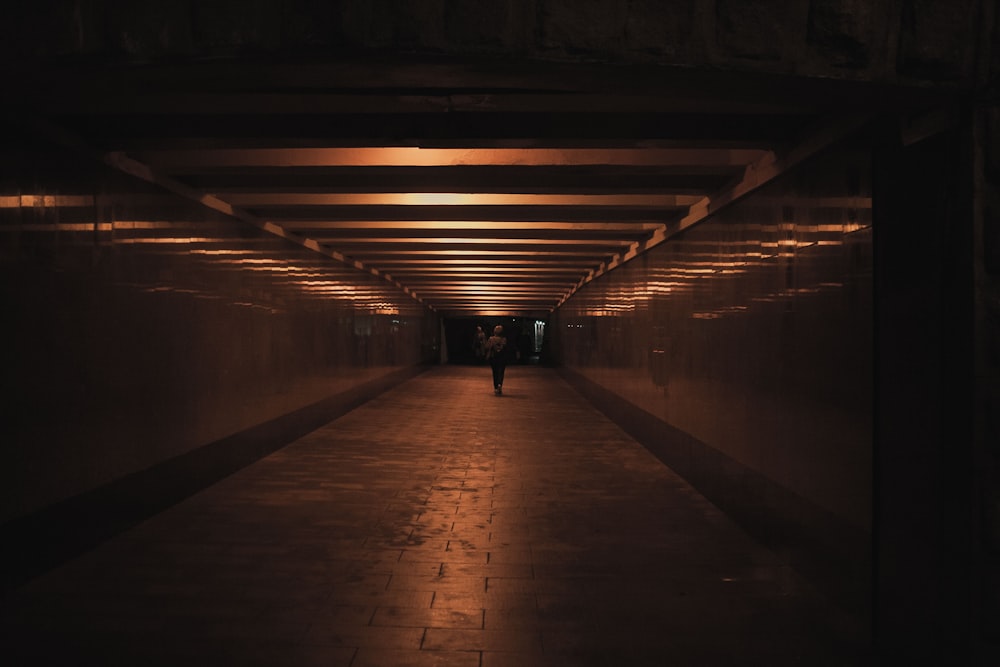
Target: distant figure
[
  {"x": 479, "y": 344},
  {"x": 498, "y": 352}
]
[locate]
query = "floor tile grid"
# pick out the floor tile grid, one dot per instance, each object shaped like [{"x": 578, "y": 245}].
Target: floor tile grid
[{"x": 437, "y": 524}]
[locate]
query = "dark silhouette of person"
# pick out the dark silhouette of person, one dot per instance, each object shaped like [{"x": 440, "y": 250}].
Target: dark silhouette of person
[
  {"x": 479, "y": 344},
  {"x": 498, "y": 354}
]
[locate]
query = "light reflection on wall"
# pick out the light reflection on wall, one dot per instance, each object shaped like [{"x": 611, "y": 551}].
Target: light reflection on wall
[
  {"x": 752, "y": 332},
  {"x": 147, "y": 326},
  {"x": 314, "y": 277}
]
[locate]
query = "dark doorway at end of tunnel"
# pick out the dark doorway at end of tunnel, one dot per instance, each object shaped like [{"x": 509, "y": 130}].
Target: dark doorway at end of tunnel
[{"x": 527, "y": 333}]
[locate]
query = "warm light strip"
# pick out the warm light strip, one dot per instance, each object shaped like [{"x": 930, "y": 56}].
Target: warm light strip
[
  {"x": 406, "y": 156},
  {"x": 174, "y": 241},
  {"x": 64, "y": 227},
  {"x": 45, "y": 201},
  {"x": 457, "y": 271},
  {"x": 505, "y": 295},
  {"x": 250, "y": 260},
  {"x": 420, "y": 240},
  {"x": 117, "y": 226},
  {"x": 489, "y": 300},
  {"x": 506, "y": 287},
  {"x": 152, "y": 224},
  {"x": 430, "y": 252},
  {"x": 455, "y": 199},
  {"x": 206, "y": 251},
  {"x": 497, "y": 291},
  {"x": 480, "y": 259},
  {"x": 492, "y": 225},
  {"x": 484, "y": 312}
]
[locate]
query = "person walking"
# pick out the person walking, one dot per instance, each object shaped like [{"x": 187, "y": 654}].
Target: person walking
[
  {"x": 479, "y": 344},
  {"x": 497, "y": 353}
]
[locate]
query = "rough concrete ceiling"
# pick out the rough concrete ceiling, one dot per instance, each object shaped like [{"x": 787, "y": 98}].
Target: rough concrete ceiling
[{"x": 478, "y": 187}]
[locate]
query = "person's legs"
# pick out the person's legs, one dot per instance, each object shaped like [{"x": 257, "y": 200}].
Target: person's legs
[
  {"x": 497, "y": 376},
  {"x": 498, "y": 381}
]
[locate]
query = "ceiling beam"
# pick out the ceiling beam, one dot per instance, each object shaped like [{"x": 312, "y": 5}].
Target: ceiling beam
[
  {"x": 144, "y": 172},
  {"x": 404, "y": 156},
  {"x": 756, "y": 174},
  {"x": 418, "y": 199},
  {"x": 478, "y": 225}
]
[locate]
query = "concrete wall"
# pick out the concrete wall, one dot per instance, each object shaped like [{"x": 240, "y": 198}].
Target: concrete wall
[
  {"x": 140, "y": 327},
  {"x": 906, "y": 40}
]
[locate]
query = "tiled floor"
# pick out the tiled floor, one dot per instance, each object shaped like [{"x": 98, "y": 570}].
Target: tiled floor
[{"x": 436, "y": 525}]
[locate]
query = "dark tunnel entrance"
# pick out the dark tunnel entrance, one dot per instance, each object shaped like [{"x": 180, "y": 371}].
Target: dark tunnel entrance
[{"x": 529, "y": 334}]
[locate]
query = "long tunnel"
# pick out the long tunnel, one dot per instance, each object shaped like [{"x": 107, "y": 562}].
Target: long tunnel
[{"x": 745, "y": 260}]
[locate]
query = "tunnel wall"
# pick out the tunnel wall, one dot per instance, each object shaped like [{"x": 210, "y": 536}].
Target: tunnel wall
[
  {"x": 741, "y": 352},
  {"x": 142, "y": 326}
]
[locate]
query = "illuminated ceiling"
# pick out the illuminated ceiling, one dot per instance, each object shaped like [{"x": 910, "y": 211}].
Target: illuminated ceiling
[{"x": 477, "y": 188}]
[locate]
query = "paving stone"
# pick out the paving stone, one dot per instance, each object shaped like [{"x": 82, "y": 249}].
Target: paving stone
[
  {"x": 437, "y": 524},
  {"x": 428, "y": 618},
  {"x": 368, "y": 657},
  {"x": 483, "y": 640}
]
